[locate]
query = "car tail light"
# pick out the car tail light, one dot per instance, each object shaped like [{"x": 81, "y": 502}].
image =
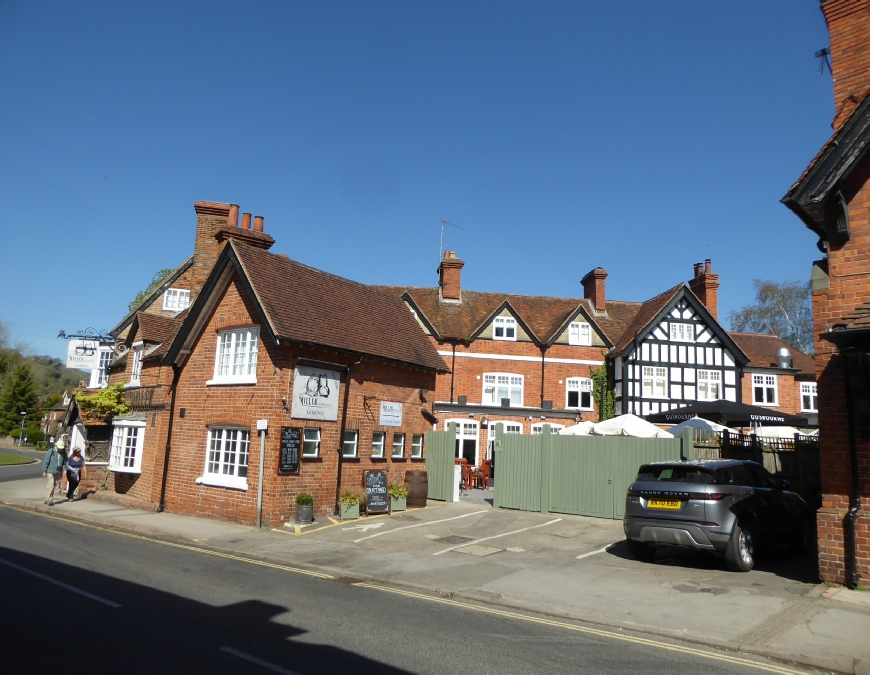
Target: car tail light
[
  {"x": 708, "y": 496},
  {"x": 706, "y": 524},
  {"x": 633, "y": 493}
]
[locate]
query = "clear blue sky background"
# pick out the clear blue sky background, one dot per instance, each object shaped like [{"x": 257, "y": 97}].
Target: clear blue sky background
[{"x": 638, "y": 136}]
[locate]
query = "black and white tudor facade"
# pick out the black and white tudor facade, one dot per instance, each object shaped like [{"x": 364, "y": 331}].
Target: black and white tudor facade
[{"x": 674, "y": 354}]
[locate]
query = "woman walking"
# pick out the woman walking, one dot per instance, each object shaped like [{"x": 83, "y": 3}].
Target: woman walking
[{"x": 75, "y": 471}]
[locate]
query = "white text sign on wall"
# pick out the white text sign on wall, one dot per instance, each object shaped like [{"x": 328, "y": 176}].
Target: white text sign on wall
[
  {"x": 391, "y": 414},
  {"x": 83, "y": 354},
  {"x": 315, "y": 394}
]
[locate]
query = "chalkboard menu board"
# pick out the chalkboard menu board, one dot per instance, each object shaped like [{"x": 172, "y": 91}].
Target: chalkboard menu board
[
  {"x": 377, "y": 498},
  {"x": 291, "y": 439}
]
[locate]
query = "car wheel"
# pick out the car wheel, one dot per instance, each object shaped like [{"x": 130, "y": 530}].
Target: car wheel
[
  {"x": 640, "y": 550},
  {"x": 740, "y": 554},
  {"x": 805, "y": 539}
]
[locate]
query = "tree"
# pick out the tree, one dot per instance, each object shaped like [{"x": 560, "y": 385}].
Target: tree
[
  {"x": 105, "y": 403},
  {"x": 782, "y": 309},
  {"x": 602, "y": 394},
  {"x": 156, "y": 280},
  {"x": 19, "y": 395}
]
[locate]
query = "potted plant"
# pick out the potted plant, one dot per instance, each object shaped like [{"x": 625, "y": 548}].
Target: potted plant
[
  {"x": 304, "y": 508},
  {"x": 348, "y": 502},
  {"x": 398, "y": 497}
]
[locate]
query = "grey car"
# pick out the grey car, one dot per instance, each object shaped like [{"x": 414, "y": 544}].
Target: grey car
[{"x": 726, "y": 507}]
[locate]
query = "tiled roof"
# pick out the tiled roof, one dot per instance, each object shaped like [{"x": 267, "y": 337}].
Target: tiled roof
[
  {"x": 644, "y": 315},
  {"x": 761, "y": 350},
  {"x": 310, "y": 306},
  {"x": 857, "y": 318},
  {"x": 147, "y": 302},
  {"x": 545, "y": 316},
  {"x": 156, "y": 330}
]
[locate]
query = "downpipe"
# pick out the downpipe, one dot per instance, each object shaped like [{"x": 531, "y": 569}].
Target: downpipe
[{"x": 851, "y": 518}]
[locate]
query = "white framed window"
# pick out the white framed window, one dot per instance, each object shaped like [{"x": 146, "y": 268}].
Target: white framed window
[
  {"x": 236, "y": 357},
  {"x": 100, "y": 375},
  {"x": 709, "y": 385},
  {"x": 417, "y": 446},
  {"x": 226, "y": 459},
  {"x": 176, "y": 299},
  {"x": 579, "y": 393},
  {"x": 764, "y": 389},
  {"x": 349, "y": 443},
  {"x": 311, "y": 443},
  {"x": 136, "y": 370},
  {"x": 379, "y": 438},
  {"x": 466, "y": 439},
  {"x": 497, "y": 386},
  {"x": 398, "y": 445},
  {"x": 507, "y": 428},
  {"x": 809, "y": 397},
  {"x": 682, "y": 332},
  {"x": 655, "y": 382},
  {"x": 579, "y": 333},
  {"x": 128, "y": 438},
  {"x": 504, "y": 328},
  {"x": 539, "y": 428}
]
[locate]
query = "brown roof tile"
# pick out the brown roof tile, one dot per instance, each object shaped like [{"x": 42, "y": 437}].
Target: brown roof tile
[
  {"x": 647, "y": 312},
  {"x": 761, "y": 350},
  {"x": 310, "y": 306},
  {"x": 857, "y": 318}
]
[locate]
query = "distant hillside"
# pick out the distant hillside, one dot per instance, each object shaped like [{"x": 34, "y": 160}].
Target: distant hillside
[{"x": 49, "y": 374}]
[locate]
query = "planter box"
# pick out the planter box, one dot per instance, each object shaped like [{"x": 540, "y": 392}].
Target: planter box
[
  {"x": 304, "y": 514},
  {"x": 398, "y": 503},
  {"x": 349, "y": 512}
]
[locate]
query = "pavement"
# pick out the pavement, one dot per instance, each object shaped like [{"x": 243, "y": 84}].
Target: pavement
[{"x": 557, "y": 565}]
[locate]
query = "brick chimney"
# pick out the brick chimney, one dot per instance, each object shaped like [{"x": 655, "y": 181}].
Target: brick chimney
[
  {"x": 449, "y": 272},
  {"x": 849, "y": 29},
  {"x": 705, "y": 285},
  {"x": 593, "y": 289},
  {"x": 210, "y": 218},
  {"x": 251, "y": 237}
]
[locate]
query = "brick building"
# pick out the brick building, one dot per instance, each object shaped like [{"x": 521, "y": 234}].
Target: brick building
[{"x": 832, "y": 199}]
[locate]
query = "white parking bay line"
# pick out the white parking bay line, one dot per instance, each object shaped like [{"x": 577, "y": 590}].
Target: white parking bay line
[
  {"x": 408, "y": 527},
  {"x": 259, "y": 662},
  {"x": 495, "y": 536},
  {"x": 600, "y": 550},
  {"x": 60, "y": 583}
]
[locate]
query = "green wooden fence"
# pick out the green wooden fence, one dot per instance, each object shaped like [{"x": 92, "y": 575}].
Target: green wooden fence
[
  {"x": 440, "y": 453},
  {"x": 579, "y": 475}
]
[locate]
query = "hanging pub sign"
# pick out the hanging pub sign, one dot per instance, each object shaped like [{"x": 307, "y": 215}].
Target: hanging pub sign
[
  {"x": 291, "y": 440},
  {"x": 391, "y": 414},
  {"x": 377, "y": 499},
  {"x": 83, "y": 354},
  {"x": 315, "y": 394}
]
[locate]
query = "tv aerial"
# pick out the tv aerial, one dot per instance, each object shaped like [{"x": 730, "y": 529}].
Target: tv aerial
[
  {"x": 441, "y": 243},
  {"x": 822, "y": 56}
]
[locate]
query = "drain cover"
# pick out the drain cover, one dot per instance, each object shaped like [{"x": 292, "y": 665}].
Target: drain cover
[
  {"x": 347, "y": 581},
  {"x": 453, "y": 539}
]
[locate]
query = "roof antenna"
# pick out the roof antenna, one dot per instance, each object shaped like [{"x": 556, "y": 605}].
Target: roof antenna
[
  {"x": 441, "y": 243},
  {"x": 822, "y": 56}
]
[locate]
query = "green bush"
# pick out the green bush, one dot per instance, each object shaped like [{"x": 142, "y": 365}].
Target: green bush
[
  {"x": 34, "y": 435},
  {"x": 397, "y": 490},
  {"x": 15, "y": 433},
  {"x": 349, "y": 498},
  {"x": 304, "y": 499}
]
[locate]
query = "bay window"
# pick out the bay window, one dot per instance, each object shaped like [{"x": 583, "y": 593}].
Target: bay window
[{"x": 128, "y": 438}]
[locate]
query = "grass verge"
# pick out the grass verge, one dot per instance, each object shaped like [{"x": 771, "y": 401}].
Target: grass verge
[{"x": 7, "y": 459}]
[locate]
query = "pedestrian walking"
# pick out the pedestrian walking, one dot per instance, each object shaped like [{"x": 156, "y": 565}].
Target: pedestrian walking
[
  {"x": 75, "y": 471},
  {"x": 53, "y": 465}
]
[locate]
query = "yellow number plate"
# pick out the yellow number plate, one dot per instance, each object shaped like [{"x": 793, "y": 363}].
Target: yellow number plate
[{"x": 664, "y": 504}]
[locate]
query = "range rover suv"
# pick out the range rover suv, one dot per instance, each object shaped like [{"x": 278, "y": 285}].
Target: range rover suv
[{"x": 727, "y": 507}]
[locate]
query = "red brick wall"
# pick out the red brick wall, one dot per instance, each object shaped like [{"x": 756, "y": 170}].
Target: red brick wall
[
  {"x": 371, "y": 382},
  {"x": 788, "y": 390},
  {"x": 849, "y": 29}
]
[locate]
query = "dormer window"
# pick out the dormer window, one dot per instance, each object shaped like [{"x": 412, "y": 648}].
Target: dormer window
[
  {"x": 176, "y": 299},
  {"x": 579, "y": 333},
  {"x": 504, "y": 328},
  {"x": 136, "y": 372}
]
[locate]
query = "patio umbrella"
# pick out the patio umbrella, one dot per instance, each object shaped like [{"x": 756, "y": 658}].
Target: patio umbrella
[
  {"x": 699, "y": 423},
  {"x": 581, "y": 429},
  {"x": 728, "y": 413},
  {"x": 776, "y": 432},
  {"x": 629, "y": 425}
]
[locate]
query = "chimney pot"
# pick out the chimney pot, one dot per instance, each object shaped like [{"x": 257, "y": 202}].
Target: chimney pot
[
  {"x": 233, "y": 218},
  {"x": 449, "y": 274},
  {"x": 258, "y": 223},
  {"x": 698, "y": 267},
  {"x": 594, "y": 288},
  {"x": 246, "y": 221},
  {"x": 708, "y": 266},
  {"x": 705, "y": 285}
]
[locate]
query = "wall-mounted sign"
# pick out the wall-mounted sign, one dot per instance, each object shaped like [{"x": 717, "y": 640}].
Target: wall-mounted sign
[
  {"x": 315, "y": 394},
  {"x": 83, "y": 354},
  {"x": 291, "y": 439},
  {"x": 377, "y": 499},
  {"x": 391, "y": 414}
]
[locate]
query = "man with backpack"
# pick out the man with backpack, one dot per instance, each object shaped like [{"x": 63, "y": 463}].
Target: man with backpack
[{"x": 53, "y": 465}]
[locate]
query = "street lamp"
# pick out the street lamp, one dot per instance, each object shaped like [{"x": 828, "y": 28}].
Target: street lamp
[{"x": 21, "y": 437}]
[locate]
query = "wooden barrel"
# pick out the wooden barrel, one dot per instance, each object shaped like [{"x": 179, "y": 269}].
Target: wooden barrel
[{"x": 417, "y": 483}]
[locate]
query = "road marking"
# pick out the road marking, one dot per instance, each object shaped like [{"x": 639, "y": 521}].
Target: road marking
[
  {"x": 61, "y": 584},
  {"x": 196, "y": 549},
  {"x": 727, "y": 658},
  {"x": 259, "y": 662},
  {"x": 366, "y": 526},
  {"x": 496, "y": 536},
  {"x": 600, "y": 550},
  {"x": 408, "y": 527}
]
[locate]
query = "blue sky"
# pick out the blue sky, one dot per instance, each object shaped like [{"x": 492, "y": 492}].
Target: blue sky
[{"x": 636, "y": 136}]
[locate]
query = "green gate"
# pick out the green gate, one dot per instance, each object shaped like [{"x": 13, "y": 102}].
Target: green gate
[
  {"x": 579, "y": 475},
  {"x": 440, "y": 453}
]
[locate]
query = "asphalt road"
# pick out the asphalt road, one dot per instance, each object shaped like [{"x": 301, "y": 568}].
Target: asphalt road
[
  {"x": 19, "y": 471},
  {"x": 132, "y": 605}
]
